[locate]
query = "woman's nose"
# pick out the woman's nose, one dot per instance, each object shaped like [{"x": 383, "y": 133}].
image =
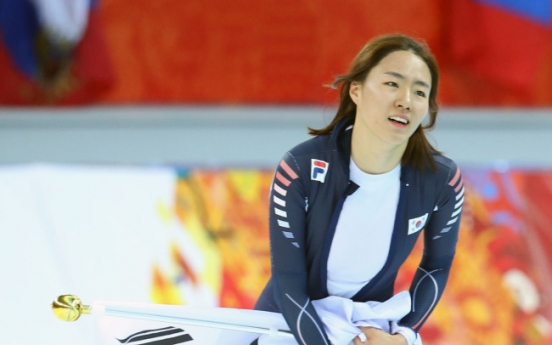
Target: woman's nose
[{"x": 403, "y": 100}]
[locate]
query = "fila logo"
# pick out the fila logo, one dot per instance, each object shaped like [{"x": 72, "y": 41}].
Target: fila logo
[
  {"x": 319, "y": 169},
  {"x": 416, "y": 224}
]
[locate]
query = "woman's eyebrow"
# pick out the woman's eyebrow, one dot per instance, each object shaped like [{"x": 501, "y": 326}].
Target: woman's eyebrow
[{"x": 400, "y": 76}]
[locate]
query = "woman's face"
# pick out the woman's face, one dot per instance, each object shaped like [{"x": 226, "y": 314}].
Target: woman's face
[{"x": 393, "y": 99}]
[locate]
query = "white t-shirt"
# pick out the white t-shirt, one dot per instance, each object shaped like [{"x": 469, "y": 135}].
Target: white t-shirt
[{"x": 363, "y": 235}]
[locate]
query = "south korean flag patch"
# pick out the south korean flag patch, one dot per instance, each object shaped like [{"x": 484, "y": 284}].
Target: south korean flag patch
[
  {"x": 319, "y": 169},
  {"x": 416, "y": 224}
]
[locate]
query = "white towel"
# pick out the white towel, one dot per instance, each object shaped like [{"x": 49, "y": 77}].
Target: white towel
[{"x": 342, "y": 317}]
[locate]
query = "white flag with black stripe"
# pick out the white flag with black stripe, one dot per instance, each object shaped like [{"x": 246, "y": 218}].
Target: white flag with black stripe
[{"x": 119, "y": 323}]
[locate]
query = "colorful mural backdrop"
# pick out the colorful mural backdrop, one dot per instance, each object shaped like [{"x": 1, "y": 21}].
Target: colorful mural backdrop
[
  {"x": 225, "y": 213},
  {"x": 499, "y": 290},
  {"x": 491, "y": 52}
]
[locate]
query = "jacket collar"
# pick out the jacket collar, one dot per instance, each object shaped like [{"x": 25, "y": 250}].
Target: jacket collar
[{"x": 341, "y": 136}]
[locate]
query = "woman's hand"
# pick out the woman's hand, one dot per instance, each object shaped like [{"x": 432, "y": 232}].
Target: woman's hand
[{"x": 376, "y": 336}]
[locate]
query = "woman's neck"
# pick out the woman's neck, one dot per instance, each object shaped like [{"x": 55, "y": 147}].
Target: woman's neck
[{"x": 374, "y": 156}]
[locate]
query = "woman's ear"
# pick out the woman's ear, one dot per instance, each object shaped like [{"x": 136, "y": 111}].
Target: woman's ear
[{"x": 354, "y": 91}]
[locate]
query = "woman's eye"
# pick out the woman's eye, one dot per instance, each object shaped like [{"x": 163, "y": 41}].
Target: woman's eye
[
  {"x": 421, "y": 93},
  {"x": 392, "y": 83}
]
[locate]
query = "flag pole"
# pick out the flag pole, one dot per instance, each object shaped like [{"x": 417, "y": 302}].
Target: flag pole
[{"x": 70, "y": 308}]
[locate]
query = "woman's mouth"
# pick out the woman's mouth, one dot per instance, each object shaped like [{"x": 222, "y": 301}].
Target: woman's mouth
[{"x": 399, "y": 120}]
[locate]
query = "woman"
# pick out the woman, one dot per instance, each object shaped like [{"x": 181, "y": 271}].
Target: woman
[{"x": 347, "y": 206}]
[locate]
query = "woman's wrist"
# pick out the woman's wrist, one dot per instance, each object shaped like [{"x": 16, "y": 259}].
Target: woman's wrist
[
  {"x": 407, "y": 334},
  {"x": 399, "y": 339}
]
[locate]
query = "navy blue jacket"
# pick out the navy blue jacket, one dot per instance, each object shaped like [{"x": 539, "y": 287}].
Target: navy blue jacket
[{"x": 310, "y": 186}]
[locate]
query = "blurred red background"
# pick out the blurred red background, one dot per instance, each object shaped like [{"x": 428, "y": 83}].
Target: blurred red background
[{"x": 283, "y": 52}]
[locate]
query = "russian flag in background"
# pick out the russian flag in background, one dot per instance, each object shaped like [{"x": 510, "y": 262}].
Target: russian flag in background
[
  {"x": 53, "y": 52},
  {"x": 502, "y": 41}
]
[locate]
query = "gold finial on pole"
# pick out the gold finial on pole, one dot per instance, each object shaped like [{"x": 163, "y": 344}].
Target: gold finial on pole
[{"x": 69, "y": 308}]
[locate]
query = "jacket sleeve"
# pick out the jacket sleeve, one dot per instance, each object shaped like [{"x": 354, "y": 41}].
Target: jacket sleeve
[
  {"x": 287, "y": 214},
  {"x": 440, "y": 238}
]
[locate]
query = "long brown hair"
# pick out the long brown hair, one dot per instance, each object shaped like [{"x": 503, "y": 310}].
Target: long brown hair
[{"x": 419, "y": 152}]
